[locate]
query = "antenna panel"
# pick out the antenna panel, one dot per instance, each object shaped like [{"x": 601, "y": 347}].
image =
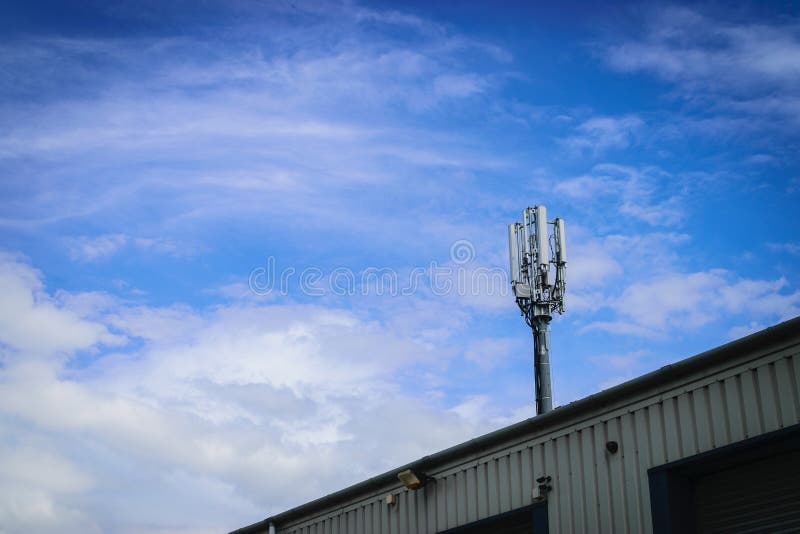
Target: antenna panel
[
  {"x": 561, "y": 243},
  {"x": 513, "y": 256},
  {"x": 542, "y": 249}
]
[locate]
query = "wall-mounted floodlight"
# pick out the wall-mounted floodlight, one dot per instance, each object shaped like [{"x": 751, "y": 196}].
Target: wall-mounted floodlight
[
  {"x": 537, "y": 293},
  {"x": 412, "y": 479}
]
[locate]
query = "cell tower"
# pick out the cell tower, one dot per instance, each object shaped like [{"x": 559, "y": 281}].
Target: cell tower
[{"x": 529, "y": 250}]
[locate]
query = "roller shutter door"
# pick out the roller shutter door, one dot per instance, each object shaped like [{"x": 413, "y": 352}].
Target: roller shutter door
[
  {"x": 755, "y": 497},
  {"x": 527, "y": 520}
]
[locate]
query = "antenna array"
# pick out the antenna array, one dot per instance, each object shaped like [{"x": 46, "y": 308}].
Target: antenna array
[{"x": 538, "y": 293}]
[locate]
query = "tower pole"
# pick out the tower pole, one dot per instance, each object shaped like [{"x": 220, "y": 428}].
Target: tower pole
[
  {"x": 536, "y": 293},
  {"x": 541, "y": 363}
]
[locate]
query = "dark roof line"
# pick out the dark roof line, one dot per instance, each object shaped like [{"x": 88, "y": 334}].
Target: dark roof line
[{"x": 768, "y": 337}]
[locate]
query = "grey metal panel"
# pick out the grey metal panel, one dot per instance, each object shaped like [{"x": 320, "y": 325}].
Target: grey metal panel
[
  {"x": 768, "y": 403},
  {"x": 527, "y": 474},
  {"x": 592, "y": 488},
  {"x": 618, "y": 495},
  {"x": 574, "y": 498},
  {"x": 752, "y": 413},
  {"x": 733, "y": 396},
  {"x": 503, "y": 484},
  {"x": 783, "y": 378},
  {"x": 589, "y": 477},
  {"x": 795, "y": 378},
  {"x": 630, "y": 461},
  {"x": 702, "y": 414},
  {"x": 720, "y": 429},
  {"x": 550, "y": 460},
  {"x": 686, "y": 421},
  {"x": 603, "y": 478}
]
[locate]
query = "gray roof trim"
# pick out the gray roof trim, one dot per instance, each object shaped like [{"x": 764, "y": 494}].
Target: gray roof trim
[{"x": 772, "y": 336}]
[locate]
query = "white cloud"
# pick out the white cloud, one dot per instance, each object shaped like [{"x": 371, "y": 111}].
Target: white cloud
[
  {"x": 613, "y": 381},
  {"x": 43, "y": 470},
  {"x": 33, "y": 323},
  {"x": 231, "y": 134},
  {"x": 586, "y": 187},
  {"x": 684, "y": 45},
  {"x": 789, "y": 248},
  {"x": 639, "y": 193},
  {"x": 623, "y": 362},
  {"x": 591, "y": 263},
  {"x": 451, "y": 85},
  {"x": 749, "y": 66},
  {"x": 599, "y": 134},
  {"x": 87, "y": 248},
  {"x": 489, "y": 352},
  {"x": 164, "y": 246},
  {"x": 743, "y": 330},
  {"x": 93, "y": 248},
  {"x": 692, "y": 300},
  {"x": 596, "y": 264},
  {"x": 226, "y": 395}
]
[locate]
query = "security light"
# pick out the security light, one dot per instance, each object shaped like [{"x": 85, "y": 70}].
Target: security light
[{"x": 411, "y": 479}]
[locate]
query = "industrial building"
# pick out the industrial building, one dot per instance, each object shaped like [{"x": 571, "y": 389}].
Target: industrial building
[{"x": 708, "y": 444}]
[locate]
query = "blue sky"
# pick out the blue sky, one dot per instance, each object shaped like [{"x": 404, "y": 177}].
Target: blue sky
[{"x": 157, "y": 159}]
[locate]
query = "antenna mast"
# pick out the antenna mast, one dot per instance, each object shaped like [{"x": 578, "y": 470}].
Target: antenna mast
[{"x": 536, "y": 293}]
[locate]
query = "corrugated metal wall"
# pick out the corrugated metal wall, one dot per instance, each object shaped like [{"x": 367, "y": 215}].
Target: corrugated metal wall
[{"x": 593, "y": 490}]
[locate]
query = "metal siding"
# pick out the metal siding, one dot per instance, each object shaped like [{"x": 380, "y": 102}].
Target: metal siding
[
  {"x": 375, "y": 516},
  {"x": 672, "y": 428},
  {"x": 630, "y": 462},
  {"x": 402, "y": 513},
  {"x": 593, "y": 490},
  {"x": 767, "y": 391},
  {"x": 589, "y": 477},
  {"x": 750, "y": 407},
  {"x": 733, "y": 396},
  {"x": 618, "y": 495},
  {"x": 504, "y": 483},
  {"x": 527, "y": 475},
  {"x": 450, "y": 492},
  {"x": 603, "y": 479},
  {"x": 795, "y": 378},
  {"x": 578, "y": 482},
  {"x": 686, "y": 421},
  {"x": 702, "y": 415},
  {"x": 515, "y": 480},
  {"x": 561, "y": 482},
  {"x": 783, "y": 391}
]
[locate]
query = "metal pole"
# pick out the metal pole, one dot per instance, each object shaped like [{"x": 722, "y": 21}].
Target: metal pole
[{"x": 541, "y": 363}]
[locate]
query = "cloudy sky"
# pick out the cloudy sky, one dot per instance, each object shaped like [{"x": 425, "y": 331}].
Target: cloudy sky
[{"x": 249, "y": 251}]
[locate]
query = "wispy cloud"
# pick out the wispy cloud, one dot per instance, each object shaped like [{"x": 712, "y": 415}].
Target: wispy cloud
[
  {"x": 638, "y": 193},
  {"x": 237, "y": 134},
  {"x": 93, "y": 248},
  {"x": 789, "y": 248},
  {"x": 691, "y": 300},
  {"x": 600, "y": 134},
  {"x": 748, "y": 66},
  {"x": 86, "y": 248}
]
